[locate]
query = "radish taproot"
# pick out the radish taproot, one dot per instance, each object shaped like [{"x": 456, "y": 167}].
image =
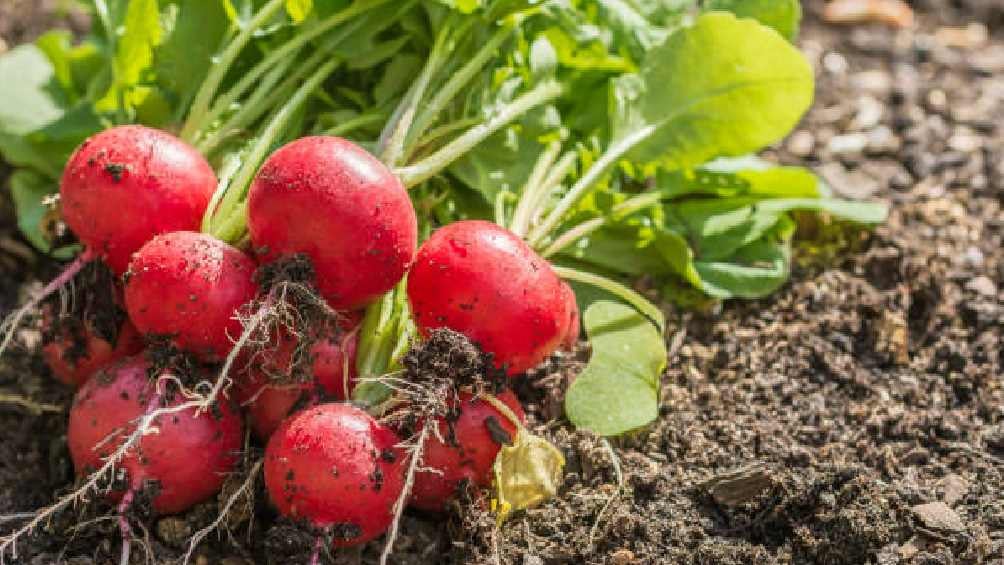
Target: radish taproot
[
  {"x": 125, "y": 185},
  {"x": 189, "y": 287},
  {"x": 329, "y": 200},
  {"x": 339, "y": 469},
  {"x": 186, "y": 460},
  {"x": 270, "y": 389},
  {"x": 483, "y": 281},
  {"x": 473, "y": 437}
]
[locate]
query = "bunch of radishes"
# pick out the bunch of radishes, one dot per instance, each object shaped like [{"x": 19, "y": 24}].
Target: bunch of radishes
[{"x": 324, "y": 208}]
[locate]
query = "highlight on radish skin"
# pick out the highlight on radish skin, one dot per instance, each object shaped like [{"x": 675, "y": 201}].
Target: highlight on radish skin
[
  {"x": 125, "y": 185},
  {"x": 329, "y": 200},
  {"x": 483, "y": 281}
]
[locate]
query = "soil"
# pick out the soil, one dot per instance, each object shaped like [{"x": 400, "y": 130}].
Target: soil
[{"x": 856, "y": 416}]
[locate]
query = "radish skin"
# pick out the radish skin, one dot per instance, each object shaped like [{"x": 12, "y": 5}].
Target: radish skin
[
  {"x": 188, "y": 457},
  {"x": 483, "y": 281},
  {"x": 125, "y": 185},
  {"x": 189, "y": 287},
  {"x": 329, "y": 200},
  {"x": 339, "y": 469},
  {"x": 472, "y": 443}
]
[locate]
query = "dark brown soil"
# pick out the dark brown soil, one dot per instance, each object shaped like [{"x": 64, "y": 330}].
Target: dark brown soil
[{"x": 857, "y": 416}]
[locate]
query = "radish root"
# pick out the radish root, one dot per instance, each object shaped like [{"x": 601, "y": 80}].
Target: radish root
[
  {"x": 243, "y": 491},
  {"x": 13, "y": 321},
  {"x": 144, "y": 425}
]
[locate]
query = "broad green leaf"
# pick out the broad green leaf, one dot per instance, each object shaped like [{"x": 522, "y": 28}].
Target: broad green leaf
[
  {"x": 142, "y": 34},
  {"x": 716, "y": 228},
  {"x": 32, "y": 96},
  {"x": 782, "y": 15},
  {"x": 619, "y": 248},
  {"x": 618, "y": 391},
  {"x": 791, "y": 182},
  {"x": 502, "y": 162},
  {"x": 193, "y": 32},
  {"x": 298, "y": 10},
  {"x": 56, "y": 46},
  {"x": 38, "y": 128},
  {"x": 722, "y": 87},
  {"x": 753, "y": 272}
]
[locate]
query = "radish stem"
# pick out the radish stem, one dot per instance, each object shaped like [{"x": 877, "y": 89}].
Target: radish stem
[
  {"x": 200, "y": 105},
  {"x": 432, "y": 165}
]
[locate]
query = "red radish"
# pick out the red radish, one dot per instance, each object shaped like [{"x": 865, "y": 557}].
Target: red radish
[
  {"x": 473, "y": 441},
  {"x": 338, "y": 468},
  {"x": 483, "y": 281},
  {"x": 75, "y": 351},
  {"x": 329, "y": 200},
  {"x": 127, "y": 184},
  {"x": 189, "y": 286},
  {"x": 270, "y": 392},
  {"x": 574, "y": 319},
  {"x": 189, "y": 455}
]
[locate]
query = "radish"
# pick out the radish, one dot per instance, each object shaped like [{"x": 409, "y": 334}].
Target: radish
[
  {"x": 329, "y": 200},
  {"x": 189, "y": 287},
  {"x": 74, "y": 349},
  {"x": 187, "y": 458},
  {"x": 336, "y": 467},
  {"x": 125, "y": 185},
  {"x": 574, "y": 321},
  {"x": 472, "y": 441},
  {"x": 483, "y": 281},
  {"x": 270, "y": 389}
]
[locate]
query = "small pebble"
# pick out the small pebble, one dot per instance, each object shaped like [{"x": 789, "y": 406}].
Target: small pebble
[
  {"x": 938, "y": 516},
  {"x": 848, "y": 143},
  {"x": 801, "y": 143},
  {"x": 882, "y": 141},
  {"x": 869, "y": 114},
  {"x": 835, "y": 63},
  {"x": 983, "y": 286}
]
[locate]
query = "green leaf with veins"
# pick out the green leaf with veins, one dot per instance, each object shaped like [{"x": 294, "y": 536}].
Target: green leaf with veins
[
  {"x": 618, "y": 391},
  {"x": 38, "y": 126},
  {"x": 722, "y": 87},
  {"x": 193, "y": 31},
  {"x": 135, "y": 49},
  {"x": 708, "y": 180},
  {"x": 782, "y": 15},
  {"x": 753, "y": 271}
]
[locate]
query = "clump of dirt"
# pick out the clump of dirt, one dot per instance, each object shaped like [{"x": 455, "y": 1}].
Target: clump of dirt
[
  {"x": 449, "y": 357},
  {"x": 90, "y": 304}
]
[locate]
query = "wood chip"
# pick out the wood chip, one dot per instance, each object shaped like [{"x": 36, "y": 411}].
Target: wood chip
[
  {"x": 736, "y": 487},
  {"x": 938, "y": 516}
]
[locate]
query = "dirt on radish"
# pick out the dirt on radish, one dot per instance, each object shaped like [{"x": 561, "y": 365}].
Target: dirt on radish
[{"x": 819, "y": 425}]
